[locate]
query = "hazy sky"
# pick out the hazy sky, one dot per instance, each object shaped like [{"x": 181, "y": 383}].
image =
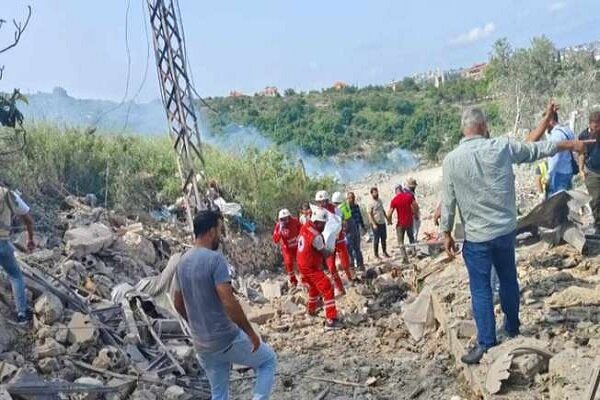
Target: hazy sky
[{"x": 248, "y": 44}]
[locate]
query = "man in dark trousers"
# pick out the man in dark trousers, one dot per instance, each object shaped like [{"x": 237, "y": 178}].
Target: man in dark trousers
[
  {"x": 221, "y": 332},
  {"x": 589, "y": 165},
  {"x": 377, "y": 219},
  {"x": 354, "y": 225},
  {"x": 478, "y": 177}
]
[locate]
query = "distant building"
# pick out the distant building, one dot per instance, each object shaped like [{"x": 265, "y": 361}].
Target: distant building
[
  {"x": 475, "y": 72},
  {"x": 269, "y": 91},
  {"x": 235, "y": 93},
  {"x": 340, "y": 85}
]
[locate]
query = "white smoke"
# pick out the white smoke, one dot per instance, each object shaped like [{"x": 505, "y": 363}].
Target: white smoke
[{"x": 237, "y": 139}]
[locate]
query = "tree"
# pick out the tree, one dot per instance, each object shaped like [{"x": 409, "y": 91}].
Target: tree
[
  {"x": 20, "y": 27},
  {"x": 289, "y": 92}
]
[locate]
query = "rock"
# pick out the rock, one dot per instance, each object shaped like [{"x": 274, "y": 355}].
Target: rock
[
  {"x": 570, "y": 367},
  {"x": 271, "y": 289},
  {"x": 82, "y": 330},
  {"x": 13, "y": 357},
  {"x": 86, "y": 380},
  {"x": 62, "y": 334},
  {"x": 465, "y": 329},
  {"x": 48, "y": 308},
  {"x": 175, "y": 393},
  {"x": 137, "y": 247},
  {"x": 88, "y": 239},
  {"x": 48, "y": 365},
  {"x": 50, "y": 348},
  {"x": 289, "y": 307},
  {"x": 8, "y": 335},
  {"x": 111, "y": 358},
  {"x": 4, "y": 395},
  {"x": 143, "y": 395},
  {"x": 7, "y": 370},
  {"x": 124, "y": 389},
  {"x": 258, "y": 315},
  {"x": 525, "y": 367},
  {"x": 574, "y": 296}
]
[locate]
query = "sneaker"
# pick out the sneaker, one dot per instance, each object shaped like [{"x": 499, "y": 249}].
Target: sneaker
[
  {"x": 333, "y": 324},
  {"x": 474, "y": 355},
  {"x": 25, "y": 318}
]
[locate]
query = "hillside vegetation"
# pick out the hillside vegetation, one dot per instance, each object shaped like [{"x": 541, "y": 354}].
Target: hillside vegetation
[
  {"x": 422, "y": 118},
  {"x": 139, "y": 173}
]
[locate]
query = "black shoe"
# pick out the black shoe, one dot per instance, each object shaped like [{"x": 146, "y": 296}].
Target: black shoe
[
  {"x": 26, "y": 318},
  {"x": 474, "y": 355}
]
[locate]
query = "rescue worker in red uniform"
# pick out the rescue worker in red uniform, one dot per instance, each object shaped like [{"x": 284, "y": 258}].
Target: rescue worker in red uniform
[
  {"x": 285, "y": 234},
  {"x": 322, "y": 200},
  {"x": 311, "y": 252}
]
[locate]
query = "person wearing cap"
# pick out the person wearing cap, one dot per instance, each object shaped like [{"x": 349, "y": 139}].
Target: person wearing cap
[
  {"x": 411, "y": 187},
  {"x": 322, "y": 200},
  {"x": 285, "y": 234},
  {"x": 311, "y": 254}
]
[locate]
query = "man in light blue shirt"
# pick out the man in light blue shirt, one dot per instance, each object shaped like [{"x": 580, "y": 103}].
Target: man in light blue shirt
[
  {"x": 479, "y": 179},
  {"x": 560, "y": 165}
]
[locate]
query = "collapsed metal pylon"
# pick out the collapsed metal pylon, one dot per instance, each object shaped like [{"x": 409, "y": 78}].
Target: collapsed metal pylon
[{"x": 176, "y": 94}]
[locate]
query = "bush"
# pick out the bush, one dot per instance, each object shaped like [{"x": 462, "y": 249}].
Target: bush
[{"x": 142, "y": 172}]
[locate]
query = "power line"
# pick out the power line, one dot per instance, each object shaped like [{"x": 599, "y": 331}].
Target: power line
[{"x": 103, "y": 114}]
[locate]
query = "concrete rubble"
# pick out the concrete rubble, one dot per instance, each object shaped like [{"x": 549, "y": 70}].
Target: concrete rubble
[{"x": 104, "y": 327}]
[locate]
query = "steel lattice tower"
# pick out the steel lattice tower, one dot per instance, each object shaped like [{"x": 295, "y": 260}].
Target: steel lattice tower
[{"x": 176, "y": 94}]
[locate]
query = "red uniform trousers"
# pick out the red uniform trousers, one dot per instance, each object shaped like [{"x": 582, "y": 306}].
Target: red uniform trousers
[
  {"x": 319, "y": 286},
  {"x": 341, "y": 250},
  {"x": 289, "y": 259}
]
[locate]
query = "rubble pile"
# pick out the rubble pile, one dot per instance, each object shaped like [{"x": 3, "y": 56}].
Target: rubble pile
[{"x": 103, "y": 322}]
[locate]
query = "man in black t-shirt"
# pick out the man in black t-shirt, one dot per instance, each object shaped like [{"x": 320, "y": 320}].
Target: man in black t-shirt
[{"x": 589, "y": 164}]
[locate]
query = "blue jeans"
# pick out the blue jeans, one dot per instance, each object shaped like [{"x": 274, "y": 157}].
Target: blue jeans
[
  {"x": 479, "y": 258},
  {"x": 218, "y": 364},
  {"x": 558, "y": 182},
  {"x": 12, "y": 269}
]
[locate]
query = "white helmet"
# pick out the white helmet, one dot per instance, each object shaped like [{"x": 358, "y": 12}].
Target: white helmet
[
  {"x": 319, "y": 215},
  {"x": 284, "y": 213},
  {"x": 321, "y": 195},
  {"x": 337, "y": 198}
]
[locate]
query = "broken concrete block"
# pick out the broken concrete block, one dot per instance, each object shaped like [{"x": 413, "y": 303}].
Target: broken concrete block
[
  {"x": 137, "y": 247},
  {"x": 48, "y": 365},
  {"x": 111, "y": 358},
  {"x": 82, "y": 330},
  {"x": 289, "y": 307},
  {"x": 125, "y": 387},
  {"x": 258, "y": 315},
  {"x": 50, "y": 348},
  {"x": 465, "y": 329},
  {"x": 271, "y": 289},
  {"x": 574, "y": 296},
  {"x": 176, "y": 393},
  {"x": 86, "y": 380},
  {"x": 143, "y": 395},
  {"x": 88, "y": 239},
  {"x": 62, "y": 334},
  {"x": 7, "y": 370},
  {"x": 525, "y": 367},
  {"x": 48, "y": 308},
  {"x": 572, "y": 368}
]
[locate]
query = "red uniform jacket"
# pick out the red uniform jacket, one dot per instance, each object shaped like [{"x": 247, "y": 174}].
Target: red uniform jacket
[
  {"x": 287, "y": 236},
  {"x": 308, "y": 256}
]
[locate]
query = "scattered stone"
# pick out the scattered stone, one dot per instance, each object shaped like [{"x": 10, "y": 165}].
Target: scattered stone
[
  {"x": 82, "y": 330},
  {"x": 176, "y": 393},
  {"x": 111, "y": 358},
  {"x": 137, "y": 247},
  {"x": 125, "y": 389},
  {"x": 48, "y": 365},
  {"x": 257, "y": 315},
  {"x": 62, "y": 334},
  {"x": 143, "y": 395},
  {"x": 13, "y": 357},
  {"x": 525, "y": 367},
  {"x": 86, "y": 380},
  {"x": 7, "y": 370},
  {"x": 50, "y": 348},
  {"x": 574, "y": 296},
  {"x": 48, "y": 308},
  {"x": 289, "y": 307},
  {"x": 271, "y": 289},
  {"x": 90, "y": 239}
]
